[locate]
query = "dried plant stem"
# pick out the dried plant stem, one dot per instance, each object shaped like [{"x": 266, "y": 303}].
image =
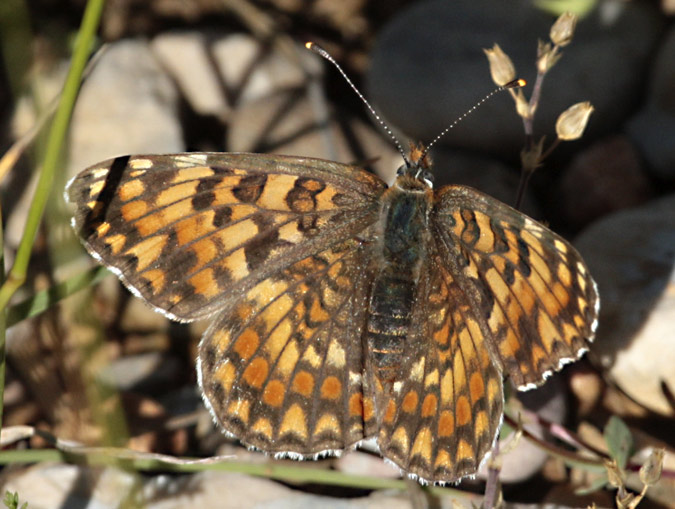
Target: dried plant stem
[{"x": 492, "y": 482}]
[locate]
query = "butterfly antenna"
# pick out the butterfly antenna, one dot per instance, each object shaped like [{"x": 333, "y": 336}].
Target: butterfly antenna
[
  {"x": 322, "y": 52},
  {"x": 511, "y": 84}
]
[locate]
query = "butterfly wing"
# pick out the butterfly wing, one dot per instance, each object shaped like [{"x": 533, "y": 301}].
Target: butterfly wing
[
  {"x": 191, "y": 233},
  {"x": 282, "y": 368},
  {"x": 442, "y": 419},
  {"x": 536, "y": 300}
]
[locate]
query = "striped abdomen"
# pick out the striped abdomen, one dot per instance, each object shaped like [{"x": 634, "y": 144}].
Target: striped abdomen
[{"x": 403, "y": 241}]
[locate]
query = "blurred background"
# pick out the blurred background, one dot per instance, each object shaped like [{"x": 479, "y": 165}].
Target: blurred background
[{"x": 101, "y": 369}]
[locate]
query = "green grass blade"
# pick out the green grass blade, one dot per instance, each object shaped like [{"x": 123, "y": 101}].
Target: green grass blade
[
  {"x": 43, "y": 300},
  {"x": 54, "y": 149}
]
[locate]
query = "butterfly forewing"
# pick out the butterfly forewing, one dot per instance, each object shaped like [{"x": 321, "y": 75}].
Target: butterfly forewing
[
  {"x": 538, "y": 302},
  {"x": 185, "y": 230}
]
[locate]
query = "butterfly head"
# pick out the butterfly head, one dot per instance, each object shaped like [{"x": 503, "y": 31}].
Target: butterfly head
[{"x": 417, "y": 165}]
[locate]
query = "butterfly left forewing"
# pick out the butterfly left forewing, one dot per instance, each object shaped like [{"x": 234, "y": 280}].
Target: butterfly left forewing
[
  {"x": 188, "y": 232},
  {"x": 537, "y": 301}
]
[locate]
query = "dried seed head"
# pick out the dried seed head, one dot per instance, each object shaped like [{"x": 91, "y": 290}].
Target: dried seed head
[
  {"x": 547, "y": 56},
  {"x": 562, "y": 30},
  {"x": 501, "y": 67},
  {"x": 614, "y": 474},
  {"x": 572, "y": 122},
  {"x": 523, "y": 106}
]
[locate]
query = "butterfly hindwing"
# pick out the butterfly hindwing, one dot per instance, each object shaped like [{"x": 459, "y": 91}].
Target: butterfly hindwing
[
  {"x": 442, "y": 418},
  {"x": 282, "y": 369}
]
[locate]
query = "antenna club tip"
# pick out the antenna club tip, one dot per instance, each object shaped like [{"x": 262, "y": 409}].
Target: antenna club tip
[
  {"x": 518, "y": 83},
  {"x": 312, "y": 46}
]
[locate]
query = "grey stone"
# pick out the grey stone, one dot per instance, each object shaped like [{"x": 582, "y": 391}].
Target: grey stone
[
  {"x": 653, "y": 127},
  {"x": 290, "y": 123},
  {"x": 631, "y": 255},
  {"x": 252, "y": 71},
  {"x": 187, "y": 57},
  {"x": 146, "y": 371}
]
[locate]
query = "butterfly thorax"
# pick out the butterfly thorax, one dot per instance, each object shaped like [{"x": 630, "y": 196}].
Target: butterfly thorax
[{"x": 403, "y": 239}]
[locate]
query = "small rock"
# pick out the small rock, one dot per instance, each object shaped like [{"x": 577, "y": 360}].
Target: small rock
[
  {"x": 631, "y": 255},
  {"x": 46, "y": 486},
  {"x": 142, "y": 372},
  {"x": 251, "y": 71},
  {"x": 361, "y": 463},
  {"x": 290, "y": 123},
  {"x": 653, "y": 127},
  {"x": 187, "y": 57},
  {"x": 587, "y": 387},
  {"x": 653, "y": 130},
  {"x": 128, "y": 105}
]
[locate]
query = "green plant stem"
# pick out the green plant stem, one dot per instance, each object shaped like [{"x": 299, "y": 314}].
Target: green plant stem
[
  {"x": 43, "y": 300},
  {"x": 54, "y": 149},
  {"x": 288, "y": 472},
  {"x": 525, "y": 176}
]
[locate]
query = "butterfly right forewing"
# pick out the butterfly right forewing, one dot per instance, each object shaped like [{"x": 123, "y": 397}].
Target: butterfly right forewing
[{"x": 189, "y": 232}]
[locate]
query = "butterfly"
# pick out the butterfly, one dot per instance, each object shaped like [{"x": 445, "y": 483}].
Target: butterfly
[{"x": 343, "y": 309}]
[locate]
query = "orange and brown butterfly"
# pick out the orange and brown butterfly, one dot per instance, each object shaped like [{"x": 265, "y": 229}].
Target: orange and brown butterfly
[{"x": 343, "y": 309}]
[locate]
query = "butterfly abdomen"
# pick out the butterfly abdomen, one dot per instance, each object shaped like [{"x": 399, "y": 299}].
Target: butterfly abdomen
[{"x": 402, "y": 249}]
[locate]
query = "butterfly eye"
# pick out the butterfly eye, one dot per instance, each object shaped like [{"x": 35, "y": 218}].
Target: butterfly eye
[{"x": 403, "y": 170}]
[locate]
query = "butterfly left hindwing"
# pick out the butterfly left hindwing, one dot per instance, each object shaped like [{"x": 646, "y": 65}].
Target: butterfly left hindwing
[{"x": 283, "y": 368}]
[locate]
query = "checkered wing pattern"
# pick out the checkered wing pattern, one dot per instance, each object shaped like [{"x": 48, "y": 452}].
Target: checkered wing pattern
[
  {"x": 444, "y": 413},
  {"x": 283, "y": 368},
  {"x": 309, "y": 263},
  {"x": 191, "y": 233},
  {"x": 532, "y": 292}
]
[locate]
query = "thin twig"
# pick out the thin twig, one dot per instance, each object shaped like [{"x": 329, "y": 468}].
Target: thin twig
[{"x": 492, "y": 481}]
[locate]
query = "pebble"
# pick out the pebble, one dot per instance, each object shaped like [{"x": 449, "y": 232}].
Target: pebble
[
  {"x": 127, "y": 105},
  {"x": 631, "y": 255},
  {"x": 605, "y": 177}
]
